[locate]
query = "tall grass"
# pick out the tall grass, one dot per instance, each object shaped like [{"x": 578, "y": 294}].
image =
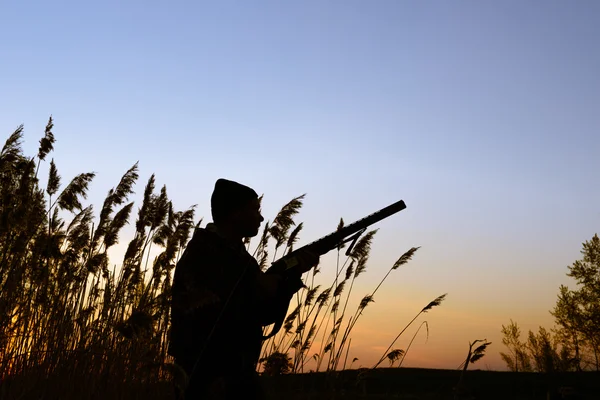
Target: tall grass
[
  {"x": 67, "y": 315},
  {"x": 64, "y": 312}
]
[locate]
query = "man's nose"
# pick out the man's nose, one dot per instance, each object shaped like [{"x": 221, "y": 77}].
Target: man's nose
[{"x": 262, "y": 218}]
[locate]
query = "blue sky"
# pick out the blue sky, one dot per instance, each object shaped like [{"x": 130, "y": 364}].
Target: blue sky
[{"x": 483, "y": 116}]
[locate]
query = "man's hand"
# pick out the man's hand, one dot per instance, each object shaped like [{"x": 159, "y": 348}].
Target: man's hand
[{"x": 302, "y": 261}]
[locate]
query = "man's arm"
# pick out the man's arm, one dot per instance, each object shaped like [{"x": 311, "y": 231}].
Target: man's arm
[
  {"x": 275, "y": 293},
  {"x": 276, "y": 289}
]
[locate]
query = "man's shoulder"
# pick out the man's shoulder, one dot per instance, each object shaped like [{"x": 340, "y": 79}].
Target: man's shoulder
[
  {"x": 206, "y": 245},
  {"x": 202, "y": 249},
  {"x": 204, "y": 240}
]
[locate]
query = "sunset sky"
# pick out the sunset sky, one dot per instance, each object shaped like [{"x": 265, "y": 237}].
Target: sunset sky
[{"x": 483, "y": 116}]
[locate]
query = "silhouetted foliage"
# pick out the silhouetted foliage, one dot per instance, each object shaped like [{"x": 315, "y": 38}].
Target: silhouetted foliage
[
  {"x": 574, "y": 343},
  {"x": 473, "y": 356},
  {"x": 577, "y": 311},
  {"x": 63, "y": 310},
  {"x": 517, "y": 359},
  {"x": 66, "y": 312},
  {"x": 394, "y": 356},
  {"x": 277, "y": 363}
]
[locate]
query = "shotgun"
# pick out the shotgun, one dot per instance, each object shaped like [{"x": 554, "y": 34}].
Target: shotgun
[{"x": 352, "y": 232}]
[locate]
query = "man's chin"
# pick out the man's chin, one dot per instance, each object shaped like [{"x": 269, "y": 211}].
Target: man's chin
[{"x": 252, "y": 234}]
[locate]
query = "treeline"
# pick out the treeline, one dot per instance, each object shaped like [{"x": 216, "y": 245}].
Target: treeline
[{"x": 573, "y": 344}]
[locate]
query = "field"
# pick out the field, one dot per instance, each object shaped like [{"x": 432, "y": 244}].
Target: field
[
  {"x": 74, "y": 326},
  {"x": 382, "y": 383},
  {"x": 415, "y": 383}
]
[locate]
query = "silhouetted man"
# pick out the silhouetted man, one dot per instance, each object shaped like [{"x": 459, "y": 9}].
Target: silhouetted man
[{"x": 221, "y": 300}]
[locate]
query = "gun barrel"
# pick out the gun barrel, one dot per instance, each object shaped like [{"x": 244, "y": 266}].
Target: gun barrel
[{"x": 332, "y": 240}]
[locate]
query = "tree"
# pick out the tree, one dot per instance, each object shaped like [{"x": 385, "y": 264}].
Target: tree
[
  {"x": 543, "y": 351},
  {"x": 568, "y": 319},
  {"x": 577, "y": 312},
  {"x": 517, "y": 359}
]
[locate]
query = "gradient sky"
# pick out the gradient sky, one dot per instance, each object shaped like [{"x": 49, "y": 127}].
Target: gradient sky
[{"x": 483, "y": 116}]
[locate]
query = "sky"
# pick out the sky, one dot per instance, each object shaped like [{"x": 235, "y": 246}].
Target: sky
[{"x": 482, "y": 116}]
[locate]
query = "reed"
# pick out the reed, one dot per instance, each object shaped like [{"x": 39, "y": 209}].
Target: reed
[{"x": 67, "y": 313}]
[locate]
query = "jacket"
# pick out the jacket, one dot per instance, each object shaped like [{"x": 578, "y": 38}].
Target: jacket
[{"x": 218, "y": 309}]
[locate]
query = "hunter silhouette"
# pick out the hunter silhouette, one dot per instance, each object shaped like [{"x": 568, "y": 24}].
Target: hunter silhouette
[{"x": 221, "y": 300}]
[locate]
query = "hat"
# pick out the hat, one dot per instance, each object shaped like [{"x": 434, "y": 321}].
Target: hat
[{"x": 229, "y": 196}]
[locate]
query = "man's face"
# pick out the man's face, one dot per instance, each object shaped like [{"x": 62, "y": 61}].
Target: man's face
[{"x": 248, "y": 219}]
